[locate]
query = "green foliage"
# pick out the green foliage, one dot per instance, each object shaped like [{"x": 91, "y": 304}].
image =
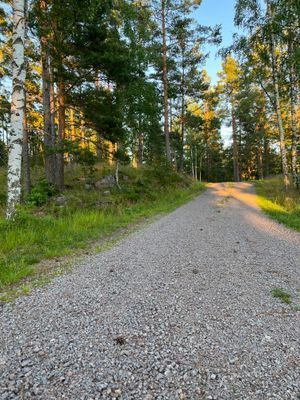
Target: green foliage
[
  {"x": 282, "y": 295},
  {"x": 3, "y": 154},
  {"x": 48, "y": 231},
  {"x": 121, "y": 155},
  {"x": 86, "y": 157},
  {"x": 40, "y": 193},
  {"x": 280, "y": 204}
]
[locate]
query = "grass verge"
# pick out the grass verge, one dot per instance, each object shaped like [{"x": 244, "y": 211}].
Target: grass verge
[
  {"x": 280, "y": 204},
  {"x": 52, "y": 231}
]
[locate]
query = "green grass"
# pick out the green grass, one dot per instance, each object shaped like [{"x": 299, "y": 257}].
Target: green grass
[
  {"x": 51, "y": 231},
  {"x": 280, "y": 204},
  {"x": 282, "y": 295}
]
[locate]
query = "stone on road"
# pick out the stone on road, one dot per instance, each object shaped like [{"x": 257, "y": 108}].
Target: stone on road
[{"x": 181, "y": 309}]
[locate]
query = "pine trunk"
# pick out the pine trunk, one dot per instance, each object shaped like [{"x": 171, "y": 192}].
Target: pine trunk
[
  {"x": 260, "y": 168},
  {"x": 280, "y": 122},
  {"x": 165, "y": 81},
  {"x": 235, "y": 146},
  {"x": 266, "y": 157},
  {"x": 60, "y": 136},
  {"x": 48, "y": 137},
  {"x": 196, "y": 164},
  {"x": 17, "y": 109},
  {"x": 140, "y": 149},
  {"x": 278, "y": 107},
  {"x": 295, "y": 137},
  {"x": 182, "y": 114}
]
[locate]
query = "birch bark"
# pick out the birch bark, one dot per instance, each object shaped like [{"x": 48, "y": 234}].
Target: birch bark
[{"x": 17, "y": 109}]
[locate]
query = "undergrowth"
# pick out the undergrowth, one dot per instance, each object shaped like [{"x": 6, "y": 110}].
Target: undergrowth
[
  {"x": 280, "y": 204},
  {"x": 45, "y": 228}
]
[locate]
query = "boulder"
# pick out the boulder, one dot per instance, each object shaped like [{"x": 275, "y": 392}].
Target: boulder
[
  {"x": 108, "y": 181},
  {"x": 61, "y": 201}
]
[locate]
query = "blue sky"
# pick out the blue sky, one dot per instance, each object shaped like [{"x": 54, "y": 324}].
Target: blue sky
[
  {"x": 215, "y": 12},
  {"x": 218, "y": 12}
]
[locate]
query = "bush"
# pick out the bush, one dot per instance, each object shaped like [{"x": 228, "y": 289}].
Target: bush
[{"x": 40, "y": 193}]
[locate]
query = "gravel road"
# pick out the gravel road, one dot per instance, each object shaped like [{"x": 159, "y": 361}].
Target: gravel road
[{"x": 181, "y": 309}]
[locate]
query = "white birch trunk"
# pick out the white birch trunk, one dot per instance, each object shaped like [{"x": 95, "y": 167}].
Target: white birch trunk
[{"x": 17, "y": 109}]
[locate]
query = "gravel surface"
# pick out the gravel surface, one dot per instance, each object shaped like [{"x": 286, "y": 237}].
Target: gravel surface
[{"x": 181, "y": 309}]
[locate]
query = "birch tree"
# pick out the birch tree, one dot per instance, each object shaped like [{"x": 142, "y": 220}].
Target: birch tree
[{"x": 17, "y": 108}]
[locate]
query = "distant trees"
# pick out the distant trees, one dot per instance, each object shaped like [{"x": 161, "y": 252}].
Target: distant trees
[
  {"x": 229, "y": 85},
  {"x": 270, "y": 52}
]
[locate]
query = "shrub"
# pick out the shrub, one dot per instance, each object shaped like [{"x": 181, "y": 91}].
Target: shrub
[{"x": 40, "y": 193}]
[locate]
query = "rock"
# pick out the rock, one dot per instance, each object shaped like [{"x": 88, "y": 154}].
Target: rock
[
  {"x": 87, "y": 186},
  {"x": 61, "y": 201},
  {"x": 106, "y": 193},
  {"x": 108, "y": 181},
  {"x": 103, "y": 203}
]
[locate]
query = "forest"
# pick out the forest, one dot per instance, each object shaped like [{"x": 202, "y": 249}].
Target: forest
[{"x": 124, "y": 82}]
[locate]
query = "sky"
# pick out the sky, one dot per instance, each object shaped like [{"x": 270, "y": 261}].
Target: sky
[{"x": 218, "y": 12}]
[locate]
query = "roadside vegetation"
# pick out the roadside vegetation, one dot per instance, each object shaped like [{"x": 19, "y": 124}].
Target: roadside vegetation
[
  {"x": 50, "y": 224},
  {"x": 278, "y": 202},
  {"x": 281, "y": 294}
]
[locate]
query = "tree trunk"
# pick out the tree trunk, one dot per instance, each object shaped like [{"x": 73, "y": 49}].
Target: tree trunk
[
  {"x": 182, "y": 113},
  {"x": 278, "y": 107},
  {"x": 200, "y": 169},
  {"x": 260, "y": 169},
  {"x": 17, "y": 108},
  {"x": 46, "y": 84},
  {"x": 72, "y": 123},
  {"x": 53, "y": 111},
  {"x": 266, "y": 157},
  {"x": 196, "y": 164},
  {"x": 280, "y": 122},
  {"x": 61, "y": 135},
  {"x": 82, "y": 132},
  {"x": 293, "y": 111},
  {"x": 26, "y": 160},
  {"x": 235, "y": 146},
  {"x": 99, "y": 147},
  {"x": 140, "y": 149},
  {"x": 117, "y": 174},
  {"x": 165, "y": 81},
  {"x": 192, "y": 162}
]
